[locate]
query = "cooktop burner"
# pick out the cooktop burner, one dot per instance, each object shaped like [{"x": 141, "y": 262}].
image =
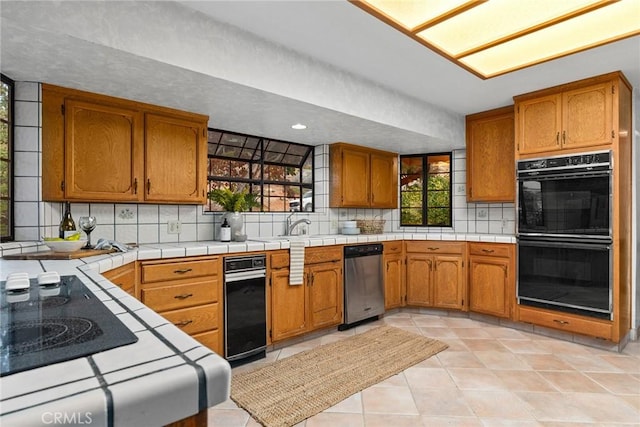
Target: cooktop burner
[{"x": 54, "y": 323}]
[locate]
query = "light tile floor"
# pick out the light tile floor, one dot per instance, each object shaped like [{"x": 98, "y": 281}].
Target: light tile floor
[{"x": 489, "y": 376}]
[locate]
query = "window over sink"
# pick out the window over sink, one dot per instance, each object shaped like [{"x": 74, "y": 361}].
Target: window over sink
[
  {"x": 425, "y": 190},
  {"x": 279, "y": 173}
]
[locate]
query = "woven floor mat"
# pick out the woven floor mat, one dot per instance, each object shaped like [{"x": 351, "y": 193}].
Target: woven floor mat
[{"x": 295, "y": 388}]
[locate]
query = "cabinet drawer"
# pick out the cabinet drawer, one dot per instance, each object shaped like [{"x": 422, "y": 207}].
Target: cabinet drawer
[
  {"x": 323, "y": 254},
  {"x": 171, "y": 297},
  {"x": 435, "y": 247},
  {"x": 164, "y": 271},
  {"x": 490, "y": 249},
  {"x": 279, "y": 260},
  {"x": 392, "y": 247},
  {"x": 195, "y": 319},
  {"x": 210, "y": 339},
  {"x": 566, "y": 322}
]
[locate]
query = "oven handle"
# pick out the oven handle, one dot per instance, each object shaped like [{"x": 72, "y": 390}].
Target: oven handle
[
  {"x": 245, "y": 275},
  {"x": 598, "y": 246},
  {"x": 534, "y": 176}
]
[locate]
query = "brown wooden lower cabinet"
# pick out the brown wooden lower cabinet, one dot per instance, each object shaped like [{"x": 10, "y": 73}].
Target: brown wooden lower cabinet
[
  {"x": 492, "y": 278},
  {"x": 435, "y": 274},
  {"x": 566, "y": 322},
  {"x": 201, "y": 419},
  {"x": 124, "y": 277},
  {"x": 393, "y": 274},
  {"x": 316, "y": 304},
  {"x": 188, "y": 293}
]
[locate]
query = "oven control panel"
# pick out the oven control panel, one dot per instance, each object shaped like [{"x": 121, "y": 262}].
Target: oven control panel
[{"x": 589, "y": 160}]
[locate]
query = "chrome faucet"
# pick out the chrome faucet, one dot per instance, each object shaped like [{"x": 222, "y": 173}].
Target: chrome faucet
[{"x": 290, "y": 226}]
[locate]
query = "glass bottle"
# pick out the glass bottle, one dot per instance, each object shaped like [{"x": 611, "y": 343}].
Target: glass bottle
[
  {"x": 225, "y": 231},
  {"x": 67, "y": 225}
]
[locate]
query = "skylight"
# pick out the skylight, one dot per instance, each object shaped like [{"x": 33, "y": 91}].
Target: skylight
[{"x": 494, "y": 37}]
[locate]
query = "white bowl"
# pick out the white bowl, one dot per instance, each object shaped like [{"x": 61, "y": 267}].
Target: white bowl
[
  {"x": 349, "y": 224},
  {"x": 65, "y": 245},
  {"x": 351, "y": 230}
]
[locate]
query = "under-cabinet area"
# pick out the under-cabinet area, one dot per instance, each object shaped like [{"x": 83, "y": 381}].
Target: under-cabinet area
[{"x": 446, "y": 276}]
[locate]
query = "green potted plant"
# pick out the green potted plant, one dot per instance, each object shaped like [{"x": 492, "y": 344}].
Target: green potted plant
[{"x": 234, "y": 202}]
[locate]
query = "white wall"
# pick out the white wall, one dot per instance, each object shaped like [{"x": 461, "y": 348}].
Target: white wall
[{"x": 147, "y": 224}]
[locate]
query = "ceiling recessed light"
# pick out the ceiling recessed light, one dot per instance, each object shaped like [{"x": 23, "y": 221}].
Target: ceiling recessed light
[
  {"x": 298, "y": 126},
  {"x": 490, "y": 38}
]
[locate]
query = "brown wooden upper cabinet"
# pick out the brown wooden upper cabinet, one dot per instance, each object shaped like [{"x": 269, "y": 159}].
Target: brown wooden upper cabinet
[
  {"x": 102, "y": 149},
  {"x": 490, "y": 156},
  {"x": 362, "y": 177},
  {"x": 571, "y": 117}
]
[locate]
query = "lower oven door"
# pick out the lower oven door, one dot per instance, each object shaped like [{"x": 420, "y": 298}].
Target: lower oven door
[{"x": 568, "y": 276}]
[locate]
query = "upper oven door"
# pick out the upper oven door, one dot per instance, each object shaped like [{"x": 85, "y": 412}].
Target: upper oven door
[{"x": 565, "y": 204}]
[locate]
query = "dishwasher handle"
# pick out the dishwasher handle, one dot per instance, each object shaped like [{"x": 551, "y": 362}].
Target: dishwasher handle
[{"x": 245, "y": 275}]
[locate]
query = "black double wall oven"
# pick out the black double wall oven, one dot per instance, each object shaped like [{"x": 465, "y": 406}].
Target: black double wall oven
[{"x": 564, "y": 233}]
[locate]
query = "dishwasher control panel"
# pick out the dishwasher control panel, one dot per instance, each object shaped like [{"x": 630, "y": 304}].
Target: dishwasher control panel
[
  {"x": 363, "y": 250},
  {"x": 244, "y": 263}
]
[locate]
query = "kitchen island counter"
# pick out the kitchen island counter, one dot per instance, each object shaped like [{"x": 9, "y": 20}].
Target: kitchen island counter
[{"x": 165, "y": 376}]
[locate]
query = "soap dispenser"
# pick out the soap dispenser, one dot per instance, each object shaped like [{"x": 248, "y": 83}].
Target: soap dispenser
[{"x": 225, "y": 231}]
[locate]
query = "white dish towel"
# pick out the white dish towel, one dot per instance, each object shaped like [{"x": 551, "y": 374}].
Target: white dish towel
[{"x": 296, "y": 262}]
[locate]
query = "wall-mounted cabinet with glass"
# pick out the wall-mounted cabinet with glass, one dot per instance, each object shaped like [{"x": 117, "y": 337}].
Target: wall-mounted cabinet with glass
[{"x": 279, "y": 173}]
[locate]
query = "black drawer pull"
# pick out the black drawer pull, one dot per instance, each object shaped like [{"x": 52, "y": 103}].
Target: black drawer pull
[
  {"x": 183, "y": 271},
  {"x": 183, "y": 296},
  {"x": 183, "y": 323}
]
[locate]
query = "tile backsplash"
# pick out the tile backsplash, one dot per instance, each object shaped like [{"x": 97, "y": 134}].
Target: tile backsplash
[{"x": 145, "y": 224}]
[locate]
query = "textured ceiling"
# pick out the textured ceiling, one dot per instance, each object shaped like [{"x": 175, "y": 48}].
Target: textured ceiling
[{"x": 258, "y": 67}]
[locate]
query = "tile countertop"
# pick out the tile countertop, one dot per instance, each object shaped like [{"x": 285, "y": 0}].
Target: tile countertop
[{"x": 164, "y": 377}]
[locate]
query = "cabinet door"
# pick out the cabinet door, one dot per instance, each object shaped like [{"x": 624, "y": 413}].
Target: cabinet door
[
  {"x": 175, "y": 160},
  {"x": 288, "y": 306},
  {"x": 102, "y": 161},
  {"x": 124, "y": 277},
  {"x": 587, "y": 116},
  {"x": 384, "y": 181},
  {"x": 489, "y": 286},
  {"x": 393, "y": 292},
  {"x": 419, "y": 277},
  {"x": 539, "y": 124},
  {"x": 491, "y": 156},
  {"x": 325, "y": 295},
  {"x": 355, "y": 184},
  {"x": 448, "y": 282}
]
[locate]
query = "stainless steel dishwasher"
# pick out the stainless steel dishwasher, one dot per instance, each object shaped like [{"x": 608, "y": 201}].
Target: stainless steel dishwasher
[
  {"x": 363, "y": 284},
  {"x": 245, "y": 313}
]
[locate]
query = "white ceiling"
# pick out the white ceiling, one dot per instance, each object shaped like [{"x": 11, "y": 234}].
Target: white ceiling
[
  {"x": 336, "y": 32},
  {"x": 259, "y": 66}
]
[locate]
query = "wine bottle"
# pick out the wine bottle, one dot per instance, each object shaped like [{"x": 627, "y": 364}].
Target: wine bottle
[{"x": 67, "y": 225}]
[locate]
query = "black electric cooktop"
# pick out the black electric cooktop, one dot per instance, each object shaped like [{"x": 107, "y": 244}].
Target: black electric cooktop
[{"x": 53, "y": 323}]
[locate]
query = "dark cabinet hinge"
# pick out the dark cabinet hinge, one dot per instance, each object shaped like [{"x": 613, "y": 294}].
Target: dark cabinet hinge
[
  {"x": 270, "y": 334},
  {"x": 62, "y": 109},
  {"x": 613, "y": 90},
  {"x": 62, "y": 185},
  {"x": 613, "y": 134}
]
